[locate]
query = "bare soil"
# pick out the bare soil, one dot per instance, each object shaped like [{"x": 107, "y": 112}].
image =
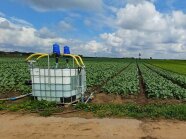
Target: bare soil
[
  {"x": 142, "y": 95},
  {"x": 104, "y": 98},
  {"x": 9, "y": 94},
  {"x": 17, "y": 126}
]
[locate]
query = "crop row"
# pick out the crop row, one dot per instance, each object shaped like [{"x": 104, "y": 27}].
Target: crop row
[
  {"x": 178, "y": 66},
  {"x": 180, "y": 79},
  {"x": 14, "y": 72},
  {"x": 159, "y": 87},
  {"x": 13, "y": 76},
  {"x": 124, "y": 84},
  {"x": 99, "y": 72}
]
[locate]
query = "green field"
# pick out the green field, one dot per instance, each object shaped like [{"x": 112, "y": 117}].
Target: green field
[
  {"x": 178, "y": 66},
  {"x": 162, "y": 78},
  {"x": 137, "y": 80}
]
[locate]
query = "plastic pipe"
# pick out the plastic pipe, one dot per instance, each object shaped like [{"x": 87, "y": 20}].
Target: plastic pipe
[
  {"x": 44, "y": 55},
  {"x": 80, "y": 60},
  {"x": 74, "y": 57},
  {"x": 15, "y": 98},
  {"x": 36, "y": 54}
]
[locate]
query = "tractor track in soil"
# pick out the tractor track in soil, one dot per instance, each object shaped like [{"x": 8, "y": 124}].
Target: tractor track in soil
[
  {"x": 164, "y": 76},
  {"x": 97, "y": 88},
  {"x": 142, "y": 97}
]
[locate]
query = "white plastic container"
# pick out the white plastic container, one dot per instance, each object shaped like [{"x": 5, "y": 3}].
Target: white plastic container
[{"x": 60, "y": 85}]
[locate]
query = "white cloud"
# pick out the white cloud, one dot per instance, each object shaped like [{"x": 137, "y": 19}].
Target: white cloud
[
  {"x": 44, "y": 32},
  {"x": 135, "y": 2},
  {"x": 179, "y": 19},
  {"x": 141, "y": 28},
  {"x": 137, "y": 27},
  {"x": 24, "y": 37},
  {"x": 64, "y": 26},
  {"x": 93, "y": 46},
  {"x": 112, "y": 39},
  {"x": 48, "y": 5},
  {"x": 88, "y": 23},
  {"x": 4, "y": 24},
  {"x": 2, "y": 14},
  {"x": 179, "y": 48},
  {"x": 20, "y": 22},
  {"x": 142, "y": 17},
  {"x": 16, "y": 37}
]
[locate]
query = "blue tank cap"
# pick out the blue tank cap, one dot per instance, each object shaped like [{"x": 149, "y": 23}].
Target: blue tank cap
[
  {"x": 66, "y": 50},
  {"x": 56, "y": 49}
]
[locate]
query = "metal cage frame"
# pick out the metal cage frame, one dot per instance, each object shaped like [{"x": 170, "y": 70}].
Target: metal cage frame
[{"x": 62, "y": 85}]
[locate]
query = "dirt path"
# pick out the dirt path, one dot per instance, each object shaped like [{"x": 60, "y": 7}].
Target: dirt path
[
  {"x": 142, "y": 95},
  {"x": 17, "y": 126}
]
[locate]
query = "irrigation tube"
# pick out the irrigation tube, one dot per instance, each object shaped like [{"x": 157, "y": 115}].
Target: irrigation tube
[
  {"x": 15, "y": 98},
  {"x": 91, "y": 95}
]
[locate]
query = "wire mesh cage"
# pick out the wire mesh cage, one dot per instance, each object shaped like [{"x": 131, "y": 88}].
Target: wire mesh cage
[{"x": 60, "y": 84}]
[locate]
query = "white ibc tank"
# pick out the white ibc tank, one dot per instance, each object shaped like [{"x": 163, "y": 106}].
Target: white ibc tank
[{"x": 60, "y": 85}]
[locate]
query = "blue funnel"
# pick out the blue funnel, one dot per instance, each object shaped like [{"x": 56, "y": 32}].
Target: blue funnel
[
  {"x": 56, "y": 49},
  {"x": 66, "y": 50}
]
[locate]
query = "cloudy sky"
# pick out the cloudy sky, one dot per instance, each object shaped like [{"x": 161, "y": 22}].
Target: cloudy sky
[{"x": 114, "y": 28}]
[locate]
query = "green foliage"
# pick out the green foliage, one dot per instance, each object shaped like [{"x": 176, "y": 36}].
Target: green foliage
[
  {"x": 44, "y": 108},
  {"x": 178, "y": 66},
  {"x": 180, "y": 79},
  {"x": 167, "y": 111},
  {"x": 159, "y": 87},
  {"x": 126, "y": 83},
  {"x": 13, "y": 73},
  {"x": 103, "y": 70}
]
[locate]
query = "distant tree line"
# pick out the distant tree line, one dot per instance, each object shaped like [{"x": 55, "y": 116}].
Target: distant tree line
[{"x": 15, "y": 53}]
